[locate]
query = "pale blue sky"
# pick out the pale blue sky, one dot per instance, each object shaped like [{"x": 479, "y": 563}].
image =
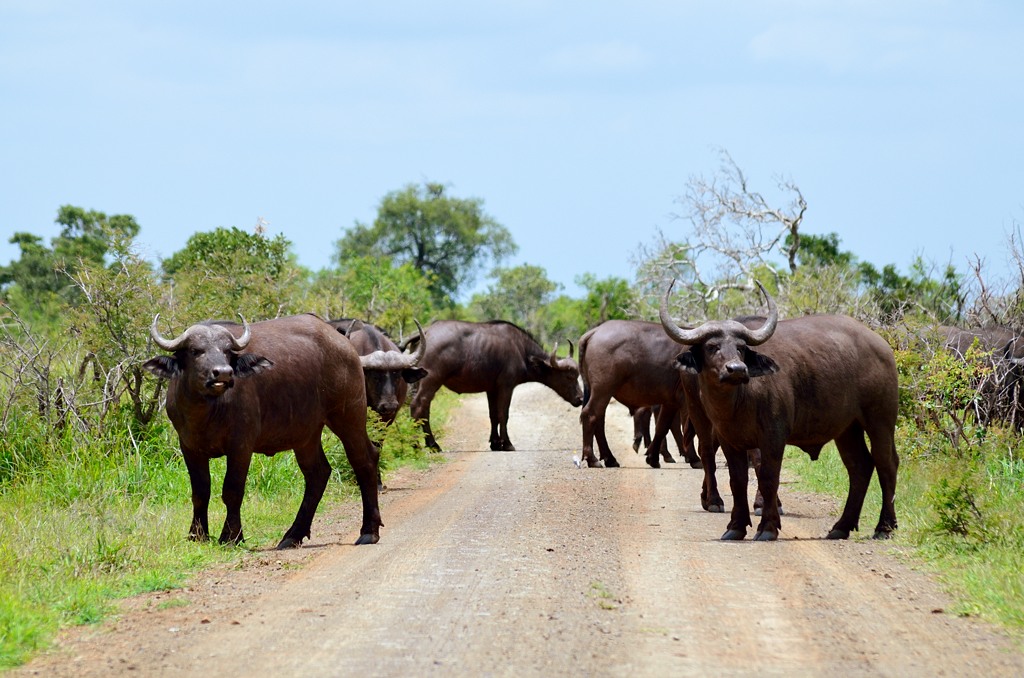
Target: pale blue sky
[{"x": 577, "y": 123}]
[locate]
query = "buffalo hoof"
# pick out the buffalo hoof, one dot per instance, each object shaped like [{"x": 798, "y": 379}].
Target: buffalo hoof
[
  {"x": 838, "y": 534},
  {"x": 610, "y": 462},
  {"x": 668, "y": 458},
  {"x": 636, "y": 446},
  {"x": 766, "y": 535},
  {"x": 734, "y": 535},
  {"x": 653, "y": 462},
  {"x": 881, "y": 534},
  {"x": 289, "y": 543},
  {"x": 367, "y": 539},
  {"x": 717, "y": 506},
  {"x": 694, "y": 463}
]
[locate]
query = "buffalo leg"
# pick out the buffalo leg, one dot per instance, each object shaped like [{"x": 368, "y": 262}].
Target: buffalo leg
[
  {"x": 859, "y": 467},
  {"x": 739, "y": 521},
  {"x": 494, "y": 417},
  {"x": 673, "y": 427},
  {"x": 419, "y": 410},
  {"x": 662, "y": 422},
  {"x": 316, "y": 471},
  {"x": 364, "y": 459},
  {"x": 232, "y": 494},
  {"x": 641, "y": 427},
  {"x": 887, "y": 461},
  {"x": 592, "y": 420},
  {"x": 684, "y": 433},
  {"x": 768, "y": 472},
  {"x": 754, "y": 457},
  {"x": 199, "y": 477},
  {"x": 608, "y": 459},
  {"x": 710, "y": 500},
  {"x": 499, "y": 419}
]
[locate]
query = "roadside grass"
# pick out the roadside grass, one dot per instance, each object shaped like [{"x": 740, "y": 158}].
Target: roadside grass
[
  {"x": 959, "y": 513},
  {"x": 86, "y": 522}
]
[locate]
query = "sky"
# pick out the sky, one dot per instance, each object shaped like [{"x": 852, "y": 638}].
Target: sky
[{"x": 577, "y": 124}]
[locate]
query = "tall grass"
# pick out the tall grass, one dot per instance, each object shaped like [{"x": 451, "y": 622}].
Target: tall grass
[
  {"x": 959, "y": 512},
  {"x": 85, "y": 521}
]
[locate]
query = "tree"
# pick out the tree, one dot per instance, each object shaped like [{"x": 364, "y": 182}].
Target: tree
[
  {"x": 608, "y": 298},
  {"x": 517, "y": 294},
  {"x": 444, "y": 237},
  {"x": 226, "y": 271},
  {"x": 374, "y": 290},
  {"x": 38, "y": 284},
  {"x": 735, "y": 232}
]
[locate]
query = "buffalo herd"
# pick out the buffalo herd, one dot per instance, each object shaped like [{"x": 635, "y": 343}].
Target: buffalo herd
[{"x": 750, "y": 386}]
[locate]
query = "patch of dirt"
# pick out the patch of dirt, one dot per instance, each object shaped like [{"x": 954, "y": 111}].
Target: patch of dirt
[{"x": 518, "y": 563}]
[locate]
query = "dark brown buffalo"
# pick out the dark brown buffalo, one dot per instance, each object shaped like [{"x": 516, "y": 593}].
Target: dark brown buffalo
[
  {"x": 815, "y": 379},
  {"x": 236, "y": 390},
  {"x": 387, "y": 371},
  {"x": 631, "y": 361},
  {"x": 634, "y": 362},
  {"x": 1000, "y": 395},
  {"x": 491, "y": 357}
]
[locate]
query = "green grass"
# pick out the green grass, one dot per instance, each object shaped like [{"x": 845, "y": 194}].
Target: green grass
[
  {"x": 87, "y": 520},
  {"x": 959, "y": 514}
]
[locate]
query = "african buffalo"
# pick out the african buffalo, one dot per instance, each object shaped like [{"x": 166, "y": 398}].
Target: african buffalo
[
  {"x": 387, "y": 371},
  {"x": 492, "y": 357},
  {"x": 631, "y": 361},
  {"x": 815, "y": 379},
  {"x": 236, "y": 390},
  {"x": 999, "y": 390}
]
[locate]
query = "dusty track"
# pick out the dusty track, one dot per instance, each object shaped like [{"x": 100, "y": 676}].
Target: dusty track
[{"x": 518, "y": 563}]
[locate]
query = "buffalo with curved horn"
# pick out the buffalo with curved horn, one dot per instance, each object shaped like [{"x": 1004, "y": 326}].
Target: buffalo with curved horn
[
  {"x": 814, "y": 379},
  {"x": 264, "y": 388}
]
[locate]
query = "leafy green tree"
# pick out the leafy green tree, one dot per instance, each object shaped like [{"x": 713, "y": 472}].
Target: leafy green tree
[
  {"x": 941, "y": 297},
  {"x": 226, "y": 271},
  {"x": 517, "y": 294},
  {"x": 563, "y": 319},
  {"x": 607, "y": 298},
  {"x": 374, "y": 290},
  {"x": 38, "y": 285},
  {"x": 820, "y": 250},
  {"x": 448, "y": 238}
]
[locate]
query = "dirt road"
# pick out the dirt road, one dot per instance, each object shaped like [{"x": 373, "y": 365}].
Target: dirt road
[{"x": 520, "y": 564}]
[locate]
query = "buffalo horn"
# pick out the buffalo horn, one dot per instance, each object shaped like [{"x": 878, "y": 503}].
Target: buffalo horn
[
  {"x": 170, "y": 345},
  {"x": 242, "y": 341},
  {"x": 570, "y": 347},
  {"x": 553, "y": 360},
  {"x": 689, "y": 337},
  {"x": 764, "y": 333},
  {"x": 421, "y": 348}
]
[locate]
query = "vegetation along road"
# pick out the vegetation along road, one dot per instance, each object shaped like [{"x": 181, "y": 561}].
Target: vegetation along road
[{"x": 519, "y": 563}]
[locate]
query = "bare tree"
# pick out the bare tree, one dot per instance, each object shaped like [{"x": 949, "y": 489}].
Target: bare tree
[{"x": 734, "y": 231}]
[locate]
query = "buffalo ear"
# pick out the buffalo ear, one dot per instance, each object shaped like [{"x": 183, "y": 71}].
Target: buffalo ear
[
  {"x": 759, "y": 365},
  {"x": 691, "y": 361},
  {"x": 413, "y": 374},
  {"x": 250, "y": 363},
  {"x": 164, "y": 366}
]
